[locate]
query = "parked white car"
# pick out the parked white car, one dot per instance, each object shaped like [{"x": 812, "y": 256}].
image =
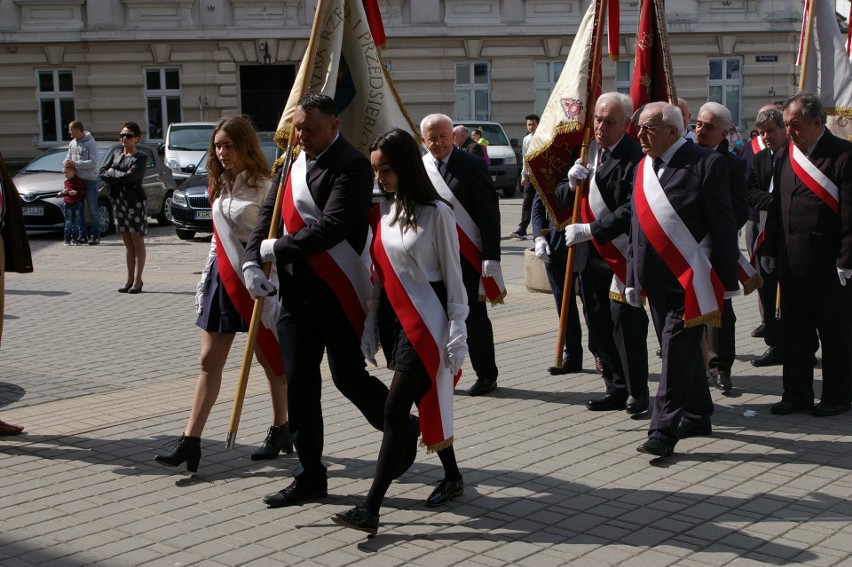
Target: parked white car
[{"x": 186, "y": 143}]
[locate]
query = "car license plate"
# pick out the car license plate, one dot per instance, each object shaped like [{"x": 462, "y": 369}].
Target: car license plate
[
  {"x": 33, "y": 211},
  {"x": 203, "y": 215}
]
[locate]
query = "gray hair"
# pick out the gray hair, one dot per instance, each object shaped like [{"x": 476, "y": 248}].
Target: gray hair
[
  {"x": 671, "y": 114},
  {"x": 620, "y": 99},
  {"x": 720, "y": 112},
  {"x": 812, "y": 108},
  {"x": 461, "y": 128},
  {"x": 769, "y": 116},
  {"x": 435, "y": 119}
]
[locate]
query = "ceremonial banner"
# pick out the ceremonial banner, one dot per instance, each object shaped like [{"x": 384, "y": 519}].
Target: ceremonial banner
[
  {"x": 347, "y": 67},
  {"x": 652, "y": 77},
  {"x": 560, "y": 130},
  {"x": 826, "y": 68}
]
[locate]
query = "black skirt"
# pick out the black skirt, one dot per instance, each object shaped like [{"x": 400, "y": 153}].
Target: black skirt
[
  {"x": 399, "y": 352},
  {"x": 218, "y": 314}
]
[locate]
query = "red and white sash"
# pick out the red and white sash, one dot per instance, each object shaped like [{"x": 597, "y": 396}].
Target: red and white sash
[
  {"x": 761, "y": 229},
  {"x": 424, "y": 322},
  {"x": 687, "y": 259},
  {"x": 814, "y": 179},
  {"x": 346, "y": 271},
  {"x": 614, "y": 252},
  {"x": 229, "y": 253},
  {"x": 747, "y": 275},
  {"x": 757, "y": 144},
  {"x": 470, "y": 241}
]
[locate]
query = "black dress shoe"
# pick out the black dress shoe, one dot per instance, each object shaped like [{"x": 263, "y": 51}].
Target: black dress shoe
[
  {"x": 759, "y": 332},
  {"x": 637, "y": 405},
  {"x": 688, "y": 429},
  {"x": 186, "y": 449},
  {"x": 446, "y": 489},
  {"x": 785, "y": 407},
  {"x": 358, "y": 518},
  {"x": 826, "y": 410},
  {"x": 606, "y": 403},
  {"x": 482, "y": 386},
  {"x": 411, "y": 448},
  {"x": 771, "y": 357},
  {"x": 723, "y": 381},
  {"x": 568, "y": 366},
  {"x": 296, "y": 494},
  {"x": 655, "y": 447},
  {"x": 277, "y": 439}
]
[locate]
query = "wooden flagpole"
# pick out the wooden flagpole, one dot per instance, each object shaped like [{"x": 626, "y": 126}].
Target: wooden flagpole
[
  {"x": 588, "y": 132},
  {"x": 248, "y": 353},
  {"x": 806, "y": 44}
]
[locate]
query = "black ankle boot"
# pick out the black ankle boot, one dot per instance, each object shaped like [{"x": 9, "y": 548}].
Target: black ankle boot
[
  {"x": 277, "y": 439},
  {"x": 186, "y": 449}
]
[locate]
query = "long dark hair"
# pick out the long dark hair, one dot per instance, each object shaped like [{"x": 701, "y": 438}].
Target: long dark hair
[
  {"x": 413, "y": 185},
  {"x": 241, "y": 132}
]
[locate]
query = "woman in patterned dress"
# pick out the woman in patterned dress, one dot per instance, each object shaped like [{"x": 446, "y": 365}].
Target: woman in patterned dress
[{"x": 123, "y": 172}]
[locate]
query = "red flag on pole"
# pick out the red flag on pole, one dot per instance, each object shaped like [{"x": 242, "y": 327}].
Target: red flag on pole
[
  {"x": 652, "y": 67},
  {"x": 374, "y": 19},
  {"x": 613, "y": 29}
]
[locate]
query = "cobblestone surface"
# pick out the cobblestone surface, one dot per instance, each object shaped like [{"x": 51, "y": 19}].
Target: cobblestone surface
[{"x": 103, "y": 381}]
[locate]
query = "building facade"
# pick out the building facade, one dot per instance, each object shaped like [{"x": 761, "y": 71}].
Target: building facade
[{"x": 161, "y": 61}]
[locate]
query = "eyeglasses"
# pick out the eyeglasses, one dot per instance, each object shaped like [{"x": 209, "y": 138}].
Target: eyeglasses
[
  {"x": 647, "y": 128},
  {"x": 127, "y": 136}
]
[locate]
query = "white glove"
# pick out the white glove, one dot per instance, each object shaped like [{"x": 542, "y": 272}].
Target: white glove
[
  {"x": 369, "y": 339},
  {"x": 490, "y": 268},
  {"x": 730, "y": 294},
  {"x": 257, "y": 283},
  {"x": 199, "y": 289},
  {"x": 631, "y": 294},
  {"x": 579, "y": 172},
  {"x": 269, "y": 314},
  {"x": 767, "y": 263},
  {"x": 577, "y": 233},
  {"x": 542, "y": 249},
  {"x": 267, "y": 250},
  {"x": 844, "y": 274},
  {"x": 456, "y": 346},
  {"x": 199, "y": 295}
]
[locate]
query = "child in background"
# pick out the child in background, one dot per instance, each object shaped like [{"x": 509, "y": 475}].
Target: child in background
[{"x": 75, "y": 218}]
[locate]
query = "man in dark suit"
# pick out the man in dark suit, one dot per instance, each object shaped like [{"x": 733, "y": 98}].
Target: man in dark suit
[
  {"x": 463, "y": 141},
  {"x": 762, "y": 198},
  {"x": 810, "y": 242},
  {"x": 676, "y": 205},
  {"x": 468, "y": 179},
  {"x": 613, "y": 324},
  {"x": 714, "y": 121},
  {"x": 313, "y": 317}
]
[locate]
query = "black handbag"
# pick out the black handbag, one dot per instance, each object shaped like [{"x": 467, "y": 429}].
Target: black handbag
[{"x": 16, "y": 245}]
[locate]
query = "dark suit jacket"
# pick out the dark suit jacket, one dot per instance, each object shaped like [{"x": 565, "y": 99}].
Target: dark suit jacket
[
  {"x": 543, "y": 226},
  {"x": 341, "y": 183},
  {"x": 762, "y": 169},
  {"x": 739, "y": 191},
  {"x": 468, "y": 179},
  {"x": 691, "y": 181},
  {"x": 472, "y": 146},
  {"x": 615, "y": 181},
  {"x": 808, "y": 239}
]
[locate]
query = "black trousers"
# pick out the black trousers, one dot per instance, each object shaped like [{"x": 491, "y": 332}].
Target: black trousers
[
  {"x": 596, "y": 279},
  {"x": 630, "y": 331},
  {"x": 526, "y": 205},
  {"x": 821, "y": 304},
  {"x": 768, "y": 294},
  {"x": 480, "y": 333},
  {"x": 306, "y": 330},
  {"x": 683, "y": 393},
  {"x": 721, "y": 342},
  {"x": 555, "y": 269}
]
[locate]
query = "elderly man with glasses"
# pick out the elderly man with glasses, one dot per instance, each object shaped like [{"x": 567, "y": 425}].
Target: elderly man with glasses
[{"x": 683, "y": 255}]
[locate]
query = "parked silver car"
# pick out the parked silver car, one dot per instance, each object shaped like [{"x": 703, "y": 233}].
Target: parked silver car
[{"x": 42, "y": 179}]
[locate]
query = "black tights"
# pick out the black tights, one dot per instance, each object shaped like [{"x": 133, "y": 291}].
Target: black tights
[{"x": 406, "y": 388}]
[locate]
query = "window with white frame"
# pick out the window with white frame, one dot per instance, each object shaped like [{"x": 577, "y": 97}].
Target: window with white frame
[
  {"x": 55, "y": 103},
  {"x": 162, "y": 100},
  {"x": 725, "y": 84},
  {"x": 546, "y": 75},
  {"x": 623, "y": 76},
  {"x": 473, "y": 91}
]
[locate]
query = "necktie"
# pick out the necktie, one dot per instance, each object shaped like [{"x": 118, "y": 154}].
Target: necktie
[
  {"x": 658, "y": 165},
  {"x": 603, "y": 157},
  {"x": 442, "y": 169}
]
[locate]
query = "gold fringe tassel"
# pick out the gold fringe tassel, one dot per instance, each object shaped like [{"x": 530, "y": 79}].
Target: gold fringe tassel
[
  {"x": 713, "y": 319},
  {"x": 435, "y": 447},
  {"x": 496, "y": 300},
  {"x": 754, "y": 283}
]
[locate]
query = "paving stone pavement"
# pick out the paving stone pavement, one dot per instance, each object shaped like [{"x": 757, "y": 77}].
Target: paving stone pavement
[{"x": 103, "y": 381}]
